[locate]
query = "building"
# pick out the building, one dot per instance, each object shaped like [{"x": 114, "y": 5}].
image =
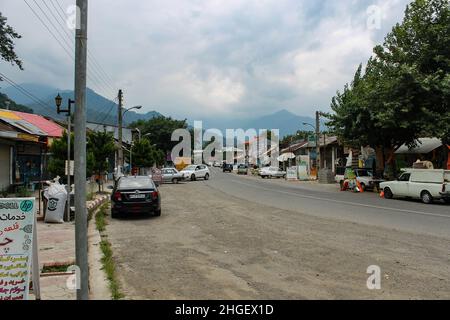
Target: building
[{"x": 24, "y": 142}]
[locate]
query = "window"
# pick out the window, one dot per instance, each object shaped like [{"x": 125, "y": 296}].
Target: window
[{"x": 405, "y": 177}]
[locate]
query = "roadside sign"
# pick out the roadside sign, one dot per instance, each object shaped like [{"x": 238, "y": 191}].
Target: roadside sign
[
  {"x": 72, "y": 166},
  {"x": 17, "y": 237}
]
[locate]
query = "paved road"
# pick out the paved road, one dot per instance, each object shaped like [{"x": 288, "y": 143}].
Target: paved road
[
  {"x": 209, "y": 244},
  {"x": 326, "y": 201}
]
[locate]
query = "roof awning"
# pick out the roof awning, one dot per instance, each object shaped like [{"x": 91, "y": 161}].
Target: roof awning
[{"x": 424, "y": 146}]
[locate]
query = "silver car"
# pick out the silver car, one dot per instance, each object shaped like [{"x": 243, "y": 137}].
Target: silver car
[{"x": 171, "y": 175}]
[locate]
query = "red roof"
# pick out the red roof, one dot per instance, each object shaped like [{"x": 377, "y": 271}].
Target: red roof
[{"x": 51, "y": 128}]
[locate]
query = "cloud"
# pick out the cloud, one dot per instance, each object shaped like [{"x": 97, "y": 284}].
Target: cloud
[{"x": 213, "y": 58}]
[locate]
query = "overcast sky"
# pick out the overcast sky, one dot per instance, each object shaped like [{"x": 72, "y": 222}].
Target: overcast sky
[{"x": 209, "y": 58}]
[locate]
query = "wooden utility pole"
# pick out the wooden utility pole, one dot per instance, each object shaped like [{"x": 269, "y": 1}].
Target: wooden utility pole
[
  {"x": 318, "y": 141},
  {"x": 80, "y": 150},
  {"x": 120, "y": 124}
]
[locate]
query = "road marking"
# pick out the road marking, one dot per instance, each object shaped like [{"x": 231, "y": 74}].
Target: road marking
[{"x": 346, "y": 202}]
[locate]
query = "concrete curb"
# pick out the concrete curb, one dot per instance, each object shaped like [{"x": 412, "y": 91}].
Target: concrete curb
[
  {"x": 98, "y": 281},
  {"x": 94, "y": 204}
]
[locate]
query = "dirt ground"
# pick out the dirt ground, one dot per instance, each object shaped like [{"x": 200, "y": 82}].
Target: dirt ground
[{"x": 208, "y": 245}]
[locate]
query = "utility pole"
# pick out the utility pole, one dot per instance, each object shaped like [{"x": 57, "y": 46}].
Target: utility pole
[
  {"x": 120, "y": 118},
  {"x": 80, "y": 150},
  {"x": 69, "y": 135},
  {"x": 317, "y": 140}
]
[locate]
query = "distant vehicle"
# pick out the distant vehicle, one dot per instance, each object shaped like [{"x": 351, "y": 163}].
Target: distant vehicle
[
  {"x": 242, "y": 169},
  {"x": 194, "y": 172},
  {"x": 363, "y": 176},
  {"x": 172, "y": 175},
  {"x": 217, "y": 164},
  {"x": 135, "y": 195},
  {"x": 272, "y": 172},
  {"x": 227, "y": 167},
  {"x": 425, "y": 184}
]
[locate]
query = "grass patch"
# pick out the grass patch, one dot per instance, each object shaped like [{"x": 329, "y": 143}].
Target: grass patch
[
  {"x": 55, "y": 269},
  {"x": 107, "y": 259},
  {"x": 110, "y": 269},
  {"x": 100, "y": 218}
]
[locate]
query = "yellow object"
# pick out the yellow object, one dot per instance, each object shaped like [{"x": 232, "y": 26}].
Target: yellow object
[{"x": 9, "y": 115}]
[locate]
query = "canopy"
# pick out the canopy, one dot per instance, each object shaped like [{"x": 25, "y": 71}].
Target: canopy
[
  {"x": 286, "y": 156},
  {"x": 424, "y": 146}
]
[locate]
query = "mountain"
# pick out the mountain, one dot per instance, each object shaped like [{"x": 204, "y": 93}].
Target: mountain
[
  {"x": 99, "y": 109},
  {"x": 35, "y": 89},
  {"x": 287, "y": 122},
  {"x": 12, "y": 105}
]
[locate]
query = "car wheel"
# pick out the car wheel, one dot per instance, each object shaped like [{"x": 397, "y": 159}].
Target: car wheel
[
  {"x": 114, "y": 215},
  {"x": 175, "y": 181},
  {"x": 270, "y": 177},
  {"x": 363, "y": 186},
  {"x": 193, "y": 177},
  {"x": 207, "y": 176},
  {"x": 388, "y": 193},
  {"x": 447, "y": 201},
  {"x": 158, "y": 213},
  {"x": 426, "y": 197}
]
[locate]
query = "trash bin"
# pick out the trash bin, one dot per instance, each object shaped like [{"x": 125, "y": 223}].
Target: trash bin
[{"x": 56, "y": 196}]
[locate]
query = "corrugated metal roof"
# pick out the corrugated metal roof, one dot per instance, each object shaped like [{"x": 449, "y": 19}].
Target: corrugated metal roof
[
  {"x": 50, "y": 128},
  {"x": 31, "y": 123},
  {"x": 424, "y": 146}
]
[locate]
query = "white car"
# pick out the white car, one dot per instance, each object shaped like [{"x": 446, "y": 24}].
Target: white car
[
  {"x": 427, "y": 185},
  {"x": 271, "y": 172},
  {"x": 194, "y": 172}
]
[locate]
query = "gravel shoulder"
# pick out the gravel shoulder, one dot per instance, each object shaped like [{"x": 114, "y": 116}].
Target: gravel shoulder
[{"x": 209, "y": 245}]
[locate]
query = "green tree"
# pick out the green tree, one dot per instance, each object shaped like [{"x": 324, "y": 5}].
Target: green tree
[
  {"x": 404, "y": 92},
  {"x": 159, "y": 130},
  {"x": 291, "y": 138},
  {"x": 145, "y": 155},
  {"x": 7, "y": 36},
  {"x": 101, "y": 145}
]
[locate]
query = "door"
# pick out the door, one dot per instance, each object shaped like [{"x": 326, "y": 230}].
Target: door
[{"x": 402, "y": 185}]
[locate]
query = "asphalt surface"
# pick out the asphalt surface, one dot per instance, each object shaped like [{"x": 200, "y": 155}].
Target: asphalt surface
[
  {"x": 328, "y": 202},
  {"x": 210, "y": 244}
]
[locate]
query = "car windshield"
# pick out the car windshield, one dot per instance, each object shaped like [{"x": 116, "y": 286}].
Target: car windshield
[
  {"x": 136, "y": 183},
  {"x": 364, "y": 173},
  {"x": 190, "y": 168}
]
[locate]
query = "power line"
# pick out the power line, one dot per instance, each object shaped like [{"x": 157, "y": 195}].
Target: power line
[
  {"x": 56, "y": 38},
  {"x": 27, "y": 93},
  {"x": 101, "y": 72}
]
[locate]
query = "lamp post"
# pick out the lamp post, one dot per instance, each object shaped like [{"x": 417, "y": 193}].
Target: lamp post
[
  {"x": 121, "y": 117},
  {"x": 68, "y": 111}
]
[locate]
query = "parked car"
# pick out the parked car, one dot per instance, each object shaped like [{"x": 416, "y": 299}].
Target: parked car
[
  {"x": 425, "y": 184},
  {"x": 172, "y": 175},
  {"x": 242, "y": 169},
  {"x": 194, "y": 172},
  {"x": 217, "y": 164},
  {"x": 227, "y": 167},
  {"x": 271, "y": 172},
  {"x": 135, "y": 195}
]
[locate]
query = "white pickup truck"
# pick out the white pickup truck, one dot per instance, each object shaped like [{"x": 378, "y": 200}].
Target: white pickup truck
[{"x": 427, "y": 185}]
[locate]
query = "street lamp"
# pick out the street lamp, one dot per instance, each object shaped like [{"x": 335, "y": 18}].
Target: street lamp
[
  {"x": 58, "y": 102},
  {"x": 132, "y": 108}
]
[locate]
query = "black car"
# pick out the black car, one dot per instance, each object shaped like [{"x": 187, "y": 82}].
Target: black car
[
  {"x": 135, "y": 195},
  {"x": 227, "y": 167}
]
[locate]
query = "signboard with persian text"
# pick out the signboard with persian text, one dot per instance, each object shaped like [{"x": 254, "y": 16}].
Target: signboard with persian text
[{"x": 17, "y": 221}]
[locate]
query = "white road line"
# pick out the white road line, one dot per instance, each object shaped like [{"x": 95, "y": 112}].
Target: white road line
[{"x": 346, "y": 202}]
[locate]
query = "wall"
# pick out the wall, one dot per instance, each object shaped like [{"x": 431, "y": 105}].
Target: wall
[{"x": 5, "y": 167}]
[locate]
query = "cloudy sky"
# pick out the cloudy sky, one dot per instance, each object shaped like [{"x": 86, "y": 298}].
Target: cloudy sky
[{"x": 208, "y": 58}]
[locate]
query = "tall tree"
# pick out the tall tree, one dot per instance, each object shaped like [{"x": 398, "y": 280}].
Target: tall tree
[
  {"x": 102, "y": 147},
  {"x": 7, "y": 37},
  {"x": 159, "y": 130},
  {"x": 145, "y": 155},
  {"x": 404, "y": 92}
]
